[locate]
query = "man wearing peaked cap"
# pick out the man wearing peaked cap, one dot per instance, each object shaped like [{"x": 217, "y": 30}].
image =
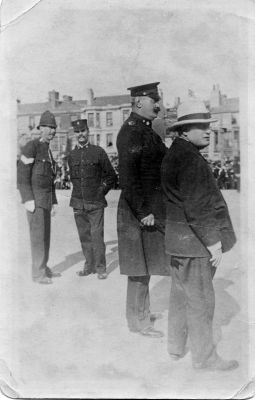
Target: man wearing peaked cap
[
  {"x": 36, "y": 173},
  {"x": 198, "y": 231},
  {"x": 92, "y": 176},
  {"x": 150, "y": 90},
  {"x": 140, "y": 220},
  {"x": 80, "y": 125}
]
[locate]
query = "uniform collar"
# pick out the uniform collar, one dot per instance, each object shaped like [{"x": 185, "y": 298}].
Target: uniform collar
[
  {"x": 145, "y": 121},
  {"x": 43, "y": 141},
  {"x": 85, "y": 146}
]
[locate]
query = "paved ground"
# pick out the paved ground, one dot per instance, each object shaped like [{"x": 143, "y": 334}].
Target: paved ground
[{"x": 70, "y": 339}]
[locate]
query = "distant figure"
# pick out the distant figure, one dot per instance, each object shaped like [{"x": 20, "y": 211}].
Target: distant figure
[
  {"x": 92, "y": 176},
  {"x": 36, "y": 175},
  {"x": 222, "y": 178},
  {"x": 198, "y": 231}
]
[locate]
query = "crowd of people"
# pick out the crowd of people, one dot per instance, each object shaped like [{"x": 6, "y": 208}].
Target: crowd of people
[
  {"x": 227, "y": 174},
  {"x": 62, "y": 180}
]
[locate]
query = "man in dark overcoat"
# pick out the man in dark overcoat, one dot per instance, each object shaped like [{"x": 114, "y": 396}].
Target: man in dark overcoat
[
  {"x": 141, "y": 215},
  {"x": 92, "y": 176},
  {"x": 198, "y": 231},
  {"x": 36, "y": 174}
]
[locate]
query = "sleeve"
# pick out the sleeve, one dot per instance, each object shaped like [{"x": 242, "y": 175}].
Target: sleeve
[
  {"x": 130, "y": 167},
  {"x": 197, "y": 199},
  {"x": 24, "y": 171},
  {"x": 54, "y": 197},
  {"x": 109, "y": 176}
]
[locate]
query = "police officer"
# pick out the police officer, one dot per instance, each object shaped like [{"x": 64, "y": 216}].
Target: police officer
[
  {"x": 92, "y": 176},
  {"x": 36, "y": 173},
  {"x": 141, "y": 214}
]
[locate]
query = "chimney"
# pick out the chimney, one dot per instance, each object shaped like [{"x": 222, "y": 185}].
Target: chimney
[
  {"x": 90, "y": 97},
  {"x": 53, "y": 98},
  {"x": 215, "y": 96},
  {"x": 67, "y": 99},
  {"x": 177, "y": 101}
]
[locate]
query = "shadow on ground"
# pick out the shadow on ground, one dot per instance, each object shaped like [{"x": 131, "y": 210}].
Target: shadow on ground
[
  {"x": 226, "y": 307},
  {"x": 72, "y": 259}
]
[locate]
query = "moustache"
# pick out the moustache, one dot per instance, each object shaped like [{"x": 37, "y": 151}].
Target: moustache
[{"x": 156, "y": 109}]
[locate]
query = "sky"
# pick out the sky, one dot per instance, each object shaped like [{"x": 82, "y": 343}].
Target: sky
[{"x": 70, "y": 46}]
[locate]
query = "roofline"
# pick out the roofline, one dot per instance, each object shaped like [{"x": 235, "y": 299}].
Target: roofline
[{"x": 224, "y": 112}]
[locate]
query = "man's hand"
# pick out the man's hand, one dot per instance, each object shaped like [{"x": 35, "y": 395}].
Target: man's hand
[
  {"x": 53, "y": 210},
  {"x": 30, "y": 206},
  {"x": 149, "y": 220},
  {"x": 216, "y": 253}
]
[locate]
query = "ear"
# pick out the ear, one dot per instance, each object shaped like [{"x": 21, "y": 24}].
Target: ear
[
  {"x": 138, "y": 102},
  {"x": 184, "y": 133}
]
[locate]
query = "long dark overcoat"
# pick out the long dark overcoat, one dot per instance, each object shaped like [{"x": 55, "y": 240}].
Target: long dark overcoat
[
  {"x": 196, "y": 213},
  {"x": 141, "y": 150}
]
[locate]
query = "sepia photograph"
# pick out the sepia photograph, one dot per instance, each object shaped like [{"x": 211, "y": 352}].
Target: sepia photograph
[{"x": 127, "y": 212}]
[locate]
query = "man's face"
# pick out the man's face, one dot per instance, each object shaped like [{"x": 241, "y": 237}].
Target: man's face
[
  {"x": 149, "y": 108},
  {"x": 198, "y": 134},
  {"x": 82, "y": 136},
  {"x": 47, "y": 133}
]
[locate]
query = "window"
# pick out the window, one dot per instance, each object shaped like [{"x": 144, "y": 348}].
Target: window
[
  {"x": 216, "y": 136},
  {"x": 58, "y": 122},
  {"x": 236, "y": 135},
  {"x": 125, "y": 115},
  {"x": 54, "y": 144},
  {"x": 109, "y": 119},
  {"x": 98, "y": 139},
  {"x": 97, "y": 120},
  {"x": 62, "y": 142},
  {"x": 90, "y": 119},
  {"x": 31, "y": 123},
  {"x": 91, "y": 139},
  {"x": 109, "y": 139}
]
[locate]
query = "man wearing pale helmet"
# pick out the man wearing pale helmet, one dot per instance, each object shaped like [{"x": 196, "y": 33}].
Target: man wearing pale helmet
[{"x": 198, "y": 231}]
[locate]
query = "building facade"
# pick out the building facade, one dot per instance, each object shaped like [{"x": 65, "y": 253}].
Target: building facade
[
  {"x": 225, "y": 137},
  {"x": 105, "y": 116}
]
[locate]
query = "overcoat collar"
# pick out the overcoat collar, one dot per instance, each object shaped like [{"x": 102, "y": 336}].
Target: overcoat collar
[{"x": 187, "y": 145}]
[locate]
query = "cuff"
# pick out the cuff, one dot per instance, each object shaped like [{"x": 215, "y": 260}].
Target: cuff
[{"x": 214, "y": 247}]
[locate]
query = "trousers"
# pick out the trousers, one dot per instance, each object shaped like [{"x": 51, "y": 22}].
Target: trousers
[
  {"x": 90, "y": 226},
  {"x": 138, "y": 303},
  {"x": 39, "y": 228},
  {"x": 191, "y": 307}
]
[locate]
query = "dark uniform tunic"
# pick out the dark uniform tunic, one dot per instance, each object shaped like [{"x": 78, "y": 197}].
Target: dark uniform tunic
[
  {"x": 141, "y": 151},
  {"x": 141, "y": 249},
  {"x": 36, "y": 173},
  {"x": 92, "y": 176},
  {"x": 197, "y": 217}
]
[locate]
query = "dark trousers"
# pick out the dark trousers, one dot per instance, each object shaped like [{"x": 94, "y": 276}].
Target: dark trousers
[
  {"x": 39, "y": 226},
  {"x": 90, "y": 225},
  {"x": 191, "y": 307},
  {"x": 138, "y": 303}
]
